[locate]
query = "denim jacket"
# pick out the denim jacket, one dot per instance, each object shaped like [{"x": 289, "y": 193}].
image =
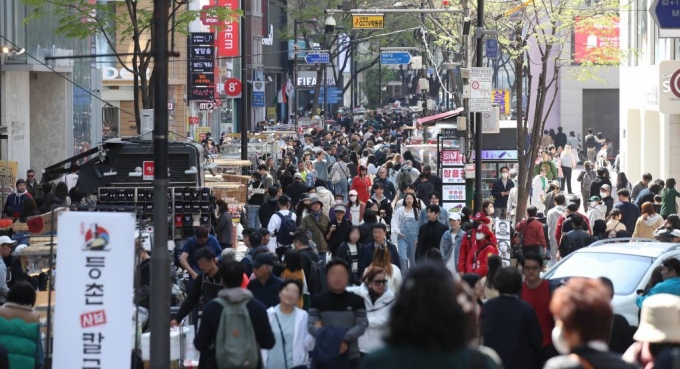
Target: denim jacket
[{"x": 447, "y": 246}]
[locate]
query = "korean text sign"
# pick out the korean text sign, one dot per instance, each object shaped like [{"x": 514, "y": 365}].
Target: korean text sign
[{"x": 93, "y": 312}]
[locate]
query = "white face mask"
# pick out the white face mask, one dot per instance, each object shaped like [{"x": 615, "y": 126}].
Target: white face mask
[
  {"x": 479, "y": 236},
  {"x": 558, "y": 341},
  {"x": 593, "y": 204},
  {"x": 504, "y": 175},
  {"x": 603, "y": 195}
]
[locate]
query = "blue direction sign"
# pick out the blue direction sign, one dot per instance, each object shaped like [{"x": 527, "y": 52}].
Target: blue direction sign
[
  {"x": 666, "y": 13},
  {"x": 395, "y": 58},
  {"x": 317, "y": 58},
  {"x": 491, "y": 48}
]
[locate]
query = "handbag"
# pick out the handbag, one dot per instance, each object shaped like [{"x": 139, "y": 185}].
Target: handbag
[{"x": 283, "y": 341}]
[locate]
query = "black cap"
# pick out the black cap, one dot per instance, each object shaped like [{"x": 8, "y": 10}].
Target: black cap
[
  {"x": 263, "y": 259},
  {"x": 572, "y": 206},
  {"x": 20, "y": 181}
]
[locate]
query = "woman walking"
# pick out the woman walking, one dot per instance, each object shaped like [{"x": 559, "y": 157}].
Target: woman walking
[
  {"x": 361, "y": 184},
  {"x": 648, "y": 222},
  {"x": 668, "y": 196},
  {"x": 405, "y": 228},
  {"x": 383, "y": 260},
  {"x": 225, "y": 226},
  {"x": 567, "y": 165}
]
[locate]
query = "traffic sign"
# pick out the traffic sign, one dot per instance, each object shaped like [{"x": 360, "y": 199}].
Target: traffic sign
[
  {"x": 448, "y": 132},
  {"x": 395, "y": 58},
  {"x": 491, "y": 48},
  {"x": 666, "y": 14},
  {"x": 232, "y": 87},
  {"x": 480, "y": 89},
  {"x": 318, "y": 58},
  {"x": 374, "y": 21}
]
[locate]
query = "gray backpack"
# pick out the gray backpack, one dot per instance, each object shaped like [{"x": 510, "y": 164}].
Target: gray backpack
[{"x": 235, "y": 343}]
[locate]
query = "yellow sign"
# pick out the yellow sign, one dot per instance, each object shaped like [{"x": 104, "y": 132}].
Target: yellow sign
[
  {"x": 518, "y": 7},
  {"x": 502, "y": 98},
  {"x": 376, "y": 21}
]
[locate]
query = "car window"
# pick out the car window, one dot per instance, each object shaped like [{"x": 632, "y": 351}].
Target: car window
[{"x": 625, "y": 271}]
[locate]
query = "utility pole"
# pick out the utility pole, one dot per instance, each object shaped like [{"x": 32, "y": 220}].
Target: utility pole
[
  {"x": 245, "y": 109},
  {"x": 160, "y": 258},
  {"x": 295, "y": 72},
  {"x": 479, "y": 199}
]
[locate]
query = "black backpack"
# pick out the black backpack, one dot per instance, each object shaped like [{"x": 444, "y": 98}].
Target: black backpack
[
  {"x": 590, "y": 141},
  {"x": 286, "y": 232}
]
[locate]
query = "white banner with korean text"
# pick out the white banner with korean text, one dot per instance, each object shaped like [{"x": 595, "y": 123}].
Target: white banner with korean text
[{"x": 93, "y": 311}]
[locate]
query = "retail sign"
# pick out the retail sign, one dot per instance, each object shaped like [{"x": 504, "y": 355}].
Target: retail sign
[
  {"x": 491, "y": 48},
  {"x": 201, "y": 52},
  {"x": 497, "y": 155},
  {"x": 480, "y": 89},
  {"x": 228, "y": 36},
  {"x": 232, "y": 87},
  {"x": 111, "y": 73},
  {"x": 206, "y": 106},
  {"x": 202, "y": 38},
  {"x": 596, "y": 39},
  {"x": 448, "y": 132},
  {"x": 202, "y": 79},
  {"x": 502, "y": 99},
  {"x": 669, "y": 87},
  {"x": 373, "y": 21},
  {"x": 193, "y": 120},
  {"x": 206, "y": 19},
  {"x": 450, "y": 157},
  {"x": 91, "y": 326},
  {"x": 148, "y": 170},
  {"x": 453, "y": 193},
  {"x": 453, "y": 175},
  {"x": 201, "y": 66},
  {"x": 258, "y": 94},
  {"x": 453, "y": 207}
]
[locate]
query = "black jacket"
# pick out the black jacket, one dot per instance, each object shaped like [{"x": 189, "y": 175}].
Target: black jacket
[
  {"x": 429, "y": 236},
  {"x": 339, "y": 235},
  {"x": 366, "y": 230},
  {"x": 210, "y": 321},
  {"x": 268, "y": 209},
  {"x": 609, "y": 201},
  {"x": 367, "y": 256},
  {"x": 388, "y": 186},
  {"x": 296, "y": 189},
  {"x": 510, "y": 327},
  {"x": 424, "y": 190},
  {"x": 308, "y": 256},
  {"x": 597, "y": 183},
  {"x": 597, "y": 359},
  {"x": 574, "y": 240},
  {"x": 344, "y": 254}
]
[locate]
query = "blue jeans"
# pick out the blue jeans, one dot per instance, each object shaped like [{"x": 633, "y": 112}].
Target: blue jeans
[
  {"x": 407, "y": 244},
  {"x": 340, "y": 188},
  {"x": 253, "y": 218}
]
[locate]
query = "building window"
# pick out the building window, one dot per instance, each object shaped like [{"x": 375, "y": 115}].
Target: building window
[
  {"x": 642, "y": 41},
  {"x": 256, "y": 6}
]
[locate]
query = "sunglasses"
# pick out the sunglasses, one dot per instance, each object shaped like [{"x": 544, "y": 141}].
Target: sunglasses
[{"x": 380, "y": 282}]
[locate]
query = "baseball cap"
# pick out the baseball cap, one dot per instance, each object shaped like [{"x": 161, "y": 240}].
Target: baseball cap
[
  {"x": 595, "y": 198},
  {"x": 263, "y": 259},
  {"x": 454, "y": 216},
  {"x": 606, "y": 187},
  {"x": 297, "y": 176},
  {"x": 340, "y": 207},
  {"x": 6, "y": 240},
  {"x": 353, "y": 192},
  {"x": 20, "y": 181},
  {"x": 316, "y": 198}
]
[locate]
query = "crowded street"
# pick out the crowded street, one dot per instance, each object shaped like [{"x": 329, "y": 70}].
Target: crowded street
[{"x": 215, "y": 184}]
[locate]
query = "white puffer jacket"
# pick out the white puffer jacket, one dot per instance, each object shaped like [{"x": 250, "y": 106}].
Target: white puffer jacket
[{"x": 378, "y": 315}]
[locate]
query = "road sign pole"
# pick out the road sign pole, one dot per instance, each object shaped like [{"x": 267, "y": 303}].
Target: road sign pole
[
  {"x": 380, "y": 105},
  {"x": 479, "y": 199}
]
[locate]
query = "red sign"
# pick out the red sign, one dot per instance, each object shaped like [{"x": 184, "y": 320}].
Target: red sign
[
  {"x": 453, "y": 175},
  {"x": 147, "y": 170},
  {"x": 450, "y": 157},
  {"x": 208, "y": 20},
  {"x": 232, "y": 87},
  {"x": 93, "y": 319},
  {"x": 228, "y": 35},
  {"x": 193, "y": 120},
  {"x": 596, "y": 40}
]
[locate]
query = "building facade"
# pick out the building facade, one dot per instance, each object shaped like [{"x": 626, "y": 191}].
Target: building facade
[{"x": 649, "y": 109}]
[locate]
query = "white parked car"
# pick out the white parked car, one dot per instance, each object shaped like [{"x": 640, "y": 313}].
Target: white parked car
[{"x": 627, "y": 262}]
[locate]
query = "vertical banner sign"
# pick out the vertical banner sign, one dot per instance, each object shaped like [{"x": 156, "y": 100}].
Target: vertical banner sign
[
  {"x": 228, "y": 37},
  {"x": 502, "y": 99},
  {"x": 92, "y": 327},
  {"x": 201, "y": 66}
]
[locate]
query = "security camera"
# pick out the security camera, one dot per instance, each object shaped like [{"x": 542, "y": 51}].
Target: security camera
[
  {"x": 329, "y": 24},
  {"x": 269, "y": 78}
]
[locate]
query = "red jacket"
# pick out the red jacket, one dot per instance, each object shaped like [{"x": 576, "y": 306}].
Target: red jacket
[
  {"x": 532, "y": 231},
  {"x": 362, "y": 185},
  {"x": 470, "y": 261}
]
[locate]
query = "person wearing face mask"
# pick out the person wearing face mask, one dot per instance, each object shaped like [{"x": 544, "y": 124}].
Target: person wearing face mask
[
  {"x": 598, "y": 210},
  {"x": 583, "y": 320},
  {"x": 607, "y": 200},
  {"x": 501, "y": 190},
  {"x": 474, "y": 255}
]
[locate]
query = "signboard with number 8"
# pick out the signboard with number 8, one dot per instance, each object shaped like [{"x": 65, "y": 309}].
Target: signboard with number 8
[{"x": 232, "y": 87}]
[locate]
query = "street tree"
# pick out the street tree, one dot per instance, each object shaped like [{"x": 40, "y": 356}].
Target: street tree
[
  {"x": 536, "y": 39},
  {"x": 121, "y": 21}
]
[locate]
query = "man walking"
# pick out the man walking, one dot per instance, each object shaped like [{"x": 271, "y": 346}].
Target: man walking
[{"x": 500, "y": 191}]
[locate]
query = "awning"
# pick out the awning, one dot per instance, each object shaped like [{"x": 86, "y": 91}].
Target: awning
[{"x": 437, "y": 117}]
